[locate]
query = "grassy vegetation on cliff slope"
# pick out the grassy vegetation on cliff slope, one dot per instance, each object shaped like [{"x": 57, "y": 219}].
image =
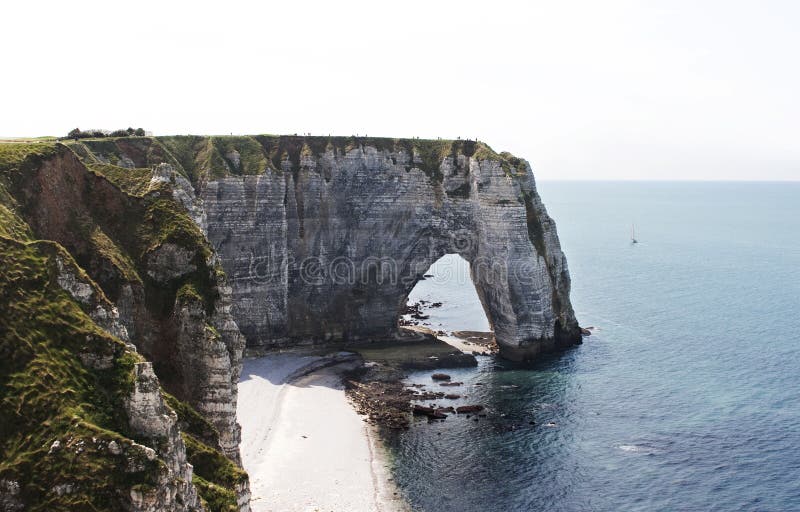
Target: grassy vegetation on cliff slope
[
  {"x": 215, "y": 476},
  {"x": 47, "y": 393}
]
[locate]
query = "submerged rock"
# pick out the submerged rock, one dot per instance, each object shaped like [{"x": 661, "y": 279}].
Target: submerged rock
[{"x": 469, "y": 409}]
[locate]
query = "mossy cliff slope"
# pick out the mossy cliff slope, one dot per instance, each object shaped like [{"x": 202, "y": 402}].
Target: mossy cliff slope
[
  {"x": 110, "y": 296},
  {"x": 324, "y": 237}
]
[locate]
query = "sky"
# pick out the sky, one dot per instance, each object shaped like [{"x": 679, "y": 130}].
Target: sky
[{"x": 584, "y": 90}]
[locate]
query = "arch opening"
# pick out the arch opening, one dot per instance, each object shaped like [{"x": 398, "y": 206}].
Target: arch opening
[{"x": 447, "y": 301}]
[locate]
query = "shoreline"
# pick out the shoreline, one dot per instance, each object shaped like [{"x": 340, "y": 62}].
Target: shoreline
[
  {"x": 304, "y": 444},
  {"x": 387, "y": 495}
]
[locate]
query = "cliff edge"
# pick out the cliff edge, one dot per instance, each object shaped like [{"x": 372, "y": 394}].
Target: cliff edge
[
  {"x": 323, "y": 238},
  {"x": 137, "y": 268}
]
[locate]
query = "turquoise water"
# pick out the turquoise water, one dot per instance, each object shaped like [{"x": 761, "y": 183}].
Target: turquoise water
[{"x": 687, "y": 397}]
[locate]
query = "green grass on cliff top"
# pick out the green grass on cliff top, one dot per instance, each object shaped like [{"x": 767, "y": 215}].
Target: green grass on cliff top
[
  {"x": 22, "y": 155},
  {"x": 202, "y": 158}
]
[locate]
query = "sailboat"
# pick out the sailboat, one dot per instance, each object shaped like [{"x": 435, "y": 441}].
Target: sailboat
[{"x": 633, "y": 235}]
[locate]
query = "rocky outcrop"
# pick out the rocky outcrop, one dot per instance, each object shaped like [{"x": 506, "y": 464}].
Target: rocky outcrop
[
  {"x": 328, "y": 245},
  {"x": 182, "y": 191},
  {"x": 124, "y": 244},
  {"x": 74, "y": 281},
  {"x": 150, "y": 420},
  {"x": 153, "y": 421},
  {"x": 209, "y": 348}
]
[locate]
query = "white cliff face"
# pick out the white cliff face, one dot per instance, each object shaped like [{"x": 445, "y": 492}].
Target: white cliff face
[
  {"x": 182, "y": 191},
  {"x": 152, "y": 420},
  {"x": 210, "y": 350},
  {"x": 247, "y": 217},
  {"x": 329, "y": 247},
  {"x": 208, "y": 345}
]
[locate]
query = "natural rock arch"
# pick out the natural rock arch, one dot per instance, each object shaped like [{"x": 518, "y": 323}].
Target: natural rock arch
[
  {"x": 448, "y": 282},
  {"x": 329, "y": 246}
]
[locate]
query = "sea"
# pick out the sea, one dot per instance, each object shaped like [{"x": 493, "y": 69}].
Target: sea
[{"x": 685, "y": 397}]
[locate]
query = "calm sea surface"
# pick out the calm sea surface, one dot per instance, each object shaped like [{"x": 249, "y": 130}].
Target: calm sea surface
[{"x": 686, "y": 397}]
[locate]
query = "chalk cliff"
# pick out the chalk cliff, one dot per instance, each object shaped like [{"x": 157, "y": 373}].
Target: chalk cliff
[
  {"x": 328, "y": 238},
  {"x": 137, "y": 268},
  {"x": 323, "y": 238}
]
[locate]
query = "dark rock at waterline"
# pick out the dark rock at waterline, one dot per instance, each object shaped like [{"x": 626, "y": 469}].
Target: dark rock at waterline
[
  {"x": 585, "y": 332},
  {"x": 455, "y": 359},
  {"x": 452, "y": 396},
  {"x": 431, "y": 412},
  {"x": 451, "y": 384},
  {"x": 430, "y": 353},
  {"x": 440, "y": 376},
  {"x": 423, "y": 410},
  {"x": 469, "y": 408},
  {"x": 428, "y": 395}
]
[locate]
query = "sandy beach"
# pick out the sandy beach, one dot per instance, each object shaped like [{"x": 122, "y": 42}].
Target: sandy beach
[{"x": 303, "y": 444}]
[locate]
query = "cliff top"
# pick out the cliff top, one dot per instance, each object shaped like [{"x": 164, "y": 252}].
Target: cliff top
[{"x": 202, "y": 158}]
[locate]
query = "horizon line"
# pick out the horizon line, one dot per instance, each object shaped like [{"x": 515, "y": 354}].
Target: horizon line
[{"x": 660, "y": 180}]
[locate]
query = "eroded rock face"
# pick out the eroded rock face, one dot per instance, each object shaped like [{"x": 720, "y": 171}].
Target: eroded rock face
[
  {"x": 182, "y": 191},
  {"x": 169, "y": 261},
  {"x": 81, "y": 289},
  {"x": 330, "y": 247},
  {"x": 209, "y": 349},
  {"x": 151, "y": 419},
  {"x": 131, "y": 293},
  {"x": 148, "y": 416},
  {"x": 10, "y": 496}
]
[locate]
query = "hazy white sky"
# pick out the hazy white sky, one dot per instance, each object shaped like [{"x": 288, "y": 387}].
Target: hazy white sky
[{"x": 584, "y": 90}]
